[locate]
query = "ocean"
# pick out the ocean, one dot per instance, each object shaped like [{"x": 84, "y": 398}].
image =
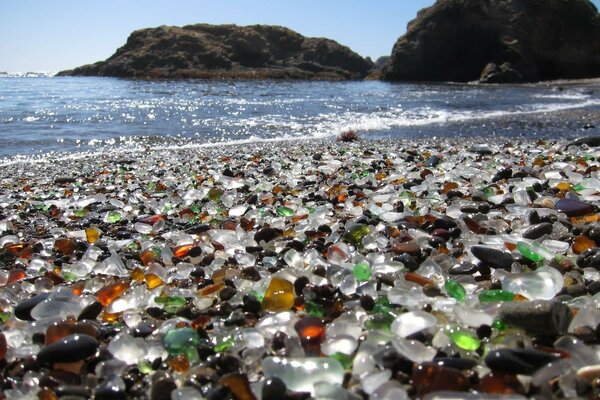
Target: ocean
[{"x": 41, "y": 115}]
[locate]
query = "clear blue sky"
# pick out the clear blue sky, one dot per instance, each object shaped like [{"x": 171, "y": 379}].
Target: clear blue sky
[{"x": 51, "y": 35}]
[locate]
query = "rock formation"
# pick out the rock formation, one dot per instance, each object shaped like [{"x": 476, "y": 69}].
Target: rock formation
[
  {"x": 499, "y": 41},
  {"x": 228, "y": 51}
]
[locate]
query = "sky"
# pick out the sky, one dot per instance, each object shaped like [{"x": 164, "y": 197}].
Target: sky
[{"x": 52, "y": 35}]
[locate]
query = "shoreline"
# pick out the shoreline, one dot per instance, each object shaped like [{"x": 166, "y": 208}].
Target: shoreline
[{"x": 212, "y": 251}]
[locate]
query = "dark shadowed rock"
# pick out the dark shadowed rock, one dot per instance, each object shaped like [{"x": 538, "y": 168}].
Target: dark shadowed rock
[
  {"x": 499, "y": 41},
  {"x": 69, "y": 349},
  {"x": 228, "y": 51},
  {"x": 493, "y": 257}
]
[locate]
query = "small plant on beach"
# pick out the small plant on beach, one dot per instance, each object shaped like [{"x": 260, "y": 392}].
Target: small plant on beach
[{"x": 348, "y": 136}]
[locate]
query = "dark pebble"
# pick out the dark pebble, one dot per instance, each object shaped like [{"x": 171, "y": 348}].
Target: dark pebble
[
  {"x": 267, "y": 234},
  {"x": 72, "y": 391},
  {"x": 143, "y": 329},
  {"x": 464, "y": 268},
  {"x": 61, "y": 180},
  {"x": 505, "y": 173},
  {"x": 273, "y": 389},
  {"x": 593, "y": 287},
  {"x": 590, "y": 258},
  {"x": 69, "y": 349},
  {"x": 539, "y": 317},
  {"x": 251, "y": 274},
  {"x": 573, "y": 208},
  {"x": 198, "y": 228},
  {"x": 90, "y": 312},
  {"x": 518, "y": 361},
  {"x": 219, "y": 392},
  {"x": 409, "y": 261},
  {"x": 493, "y": 257},
  {"x": 367, "y": 302},
  {"x": 23, "y": 309},
  {"x": 537, "y": 231},
  {"x": 227, "y": 293},
  {"x": 162, "y": 388},
  {"x": 108, "y": 391},
  {"x": 462, "y": 364}
]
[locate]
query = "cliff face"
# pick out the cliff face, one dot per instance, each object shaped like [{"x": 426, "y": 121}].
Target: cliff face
[
  {"x": 228, "y": 51},
  {"x": 499, "y": 41}
]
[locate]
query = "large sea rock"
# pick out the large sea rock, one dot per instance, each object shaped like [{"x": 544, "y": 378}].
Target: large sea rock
[
  {"x": 499, "y": 41},
  {"x": 228, "y": 51}
]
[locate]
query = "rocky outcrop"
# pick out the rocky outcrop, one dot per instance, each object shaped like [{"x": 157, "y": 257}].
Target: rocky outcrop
[
  {"x": 228, "y": 51},
  {"x": 499, "y": 41}
]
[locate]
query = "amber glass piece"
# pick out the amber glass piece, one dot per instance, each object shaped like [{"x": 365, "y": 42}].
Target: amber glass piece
[
  {"x": 448, "y": 186},
  {"x": 65, "y": 246},
  {"x": 418, "y": 279},
  {"x": 54, "y": 277},
  {"x": 563, "y": 186},
  {"x": 152, "y": 219},
  {"x": 26, "y": 252},
  {"x": 229, "y": 225},
  {"x": 380, "y": 176},
  {"x": 279, "y": 295},
  {"x": 149, "y": 255},
  {"x": 586, "y": 219},
  {"x": 137, "y": 275},
  {"x": 211, "y": 289},
  {"x": 153, "y": 281},
  {"x": 299, "y": 218},
  {"x": 474, "y": 226},
  {"x": 77, "y": 288},
  {"x": 311, "y": 332},
  {"x": 183, "y": 250},
  {"x": 92, "y": 235},
  {"x": 179, "y": 363},
  {"x": 16, "y": 275},
  {"x": 59, "y": 330},
  {"x": 111, "y": 317},
  {"x": 239, "y": 386},
  {"x": 247, "y": 224},
  {"x": 46, "y": 394},
  {"x": 582, "y": 243},
  {"x": 109, "y": 293},
  {"x": 498, "y": 383},
  {"x": 3, "y": 346},
  {"x": 201, "y": 322},
  {"x": 14, "y": 248},
  {"x": 428, "y": 377},
  {"x": 510, "y": 246}
]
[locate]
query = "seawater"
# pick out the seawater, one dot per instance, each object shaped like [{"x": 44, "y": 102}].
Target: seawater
[{"x": 44, "y": 114}]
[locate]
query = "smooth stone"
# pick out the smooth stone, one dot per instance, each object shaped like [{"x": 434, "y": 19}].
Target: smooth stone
[
  {"x": 300, "y": 374},
  {"x": 23, "y": 309},
  {"x": 69, "y": 349},
  {"x": 539, "y": 317},
  {"x": 589, "y": 258},
  {"x": 273, "y": 389},
  {"x": 518, "y": 361},
  {"x": 573, "y": 208},
  {"x": 267, "y": 234},
  {"x": 162, "y": 388},
  {"x": 493, "y": 257},
  {"x": 537, "y": 231},
  {"x": 61, "y": 180},
  {"x": 411, "y": 248},
  {"x": 464, "y": 268}
]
